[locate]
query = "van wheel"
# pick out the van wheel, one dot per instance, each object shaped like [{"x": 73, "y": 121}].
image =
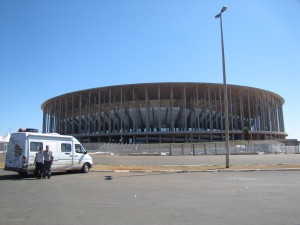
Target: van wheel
[{"x": 85, "y": 168}]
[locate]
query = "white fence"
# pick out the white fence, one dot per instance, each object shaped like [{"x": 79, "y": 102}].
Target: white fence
[{"x": 236, "y": 148}]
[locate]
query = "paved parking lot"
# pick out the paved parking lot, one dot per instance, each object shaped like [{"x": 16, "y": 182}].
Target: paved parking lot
[
  {"x": 191, "y": 160},
  {"x": 152, "y": 198}
]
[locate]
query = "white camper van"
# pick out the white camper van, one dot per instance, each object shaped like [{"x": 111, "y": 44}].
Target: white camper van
[{"x": 67, "y": 151}]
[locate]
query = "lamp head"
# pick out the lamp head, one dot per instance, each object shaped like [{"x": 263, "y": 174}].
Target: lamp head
[{"x": 223, "y": 9}]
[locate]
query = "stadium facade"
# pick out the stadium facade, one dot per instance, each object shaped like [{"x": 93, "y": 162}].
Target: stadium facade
[{"x": 165, "y": 113}]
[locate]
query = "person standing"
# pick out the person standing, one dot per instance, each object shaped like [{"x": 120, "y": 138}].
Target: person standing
[
  {"x": 48, "y": 159},
  {"x": 39, "y": 162}
]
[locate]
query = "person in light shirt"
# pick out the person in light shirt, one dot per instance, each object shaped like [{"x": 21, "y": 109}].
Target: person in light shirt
[
  {"x": 48, "y": 159},
  {"x": 39, "y": 163}
]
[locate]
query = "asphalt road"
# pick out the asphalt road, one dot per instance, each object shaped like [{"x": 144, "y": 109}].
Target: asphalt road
[{"x": 256, "y": 198}]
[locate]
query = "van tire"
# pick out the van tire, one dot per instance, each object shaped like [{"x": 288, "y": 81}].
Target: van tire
[{"x": 85, "y": 168}]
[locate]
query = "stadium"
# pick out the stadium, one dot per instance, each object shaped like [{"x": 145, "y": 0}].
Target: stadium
[{"x": 165, "y": 113}]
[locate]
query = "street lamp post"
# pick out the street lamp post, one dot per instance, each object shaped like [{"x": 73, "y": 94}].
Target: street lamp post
[{"x": 225, "y": 90}]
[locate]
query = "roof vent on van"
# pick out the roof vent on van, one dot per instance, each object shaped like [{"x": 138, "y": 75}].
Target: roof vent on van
[{"x": 28, "y": 130}]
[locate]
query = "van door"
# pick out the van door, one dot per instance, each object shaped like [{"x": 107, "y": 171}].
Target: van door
[
  {"x": 79, "y": 155},
  {"x": 17, "y": 154},
  {"x": 64, "y": 156}
]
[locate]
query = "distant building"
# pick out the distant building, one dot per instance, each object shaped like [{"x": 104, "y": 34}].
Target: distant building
[{"x": 165, "y": 113}]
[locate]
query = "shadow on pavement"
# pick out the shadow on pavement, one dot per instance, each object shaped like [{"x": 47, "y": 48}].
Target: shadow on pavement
[
  {"x": 115, "y": 176},
  {"x": 31, "y": 176}
]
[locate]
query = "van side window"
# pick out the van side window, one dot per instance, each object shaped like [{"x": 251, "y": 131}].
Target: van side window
[
  {"x": 34, "y": 146},
  {"x": 65, "y": 147},
  {"x": 79, "y": 148}
]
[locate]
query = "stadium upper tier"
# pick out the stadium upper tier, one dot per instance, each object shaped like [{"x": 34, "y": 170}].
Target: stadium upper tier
[{"x": 165, "y": 112}]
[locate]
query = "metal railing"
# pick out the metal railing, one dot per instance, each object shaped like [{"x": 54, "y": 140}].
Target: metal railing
[{"x": 217, "y": 148}]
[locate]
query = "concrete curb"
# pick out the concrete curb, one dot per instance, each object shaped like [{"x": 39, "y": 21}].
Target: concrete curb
[{"x": 195, "y": 171}]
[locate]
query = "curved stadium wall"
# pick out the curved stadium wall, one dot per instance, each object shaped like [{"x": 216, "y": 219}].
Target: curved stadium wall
[{"x": 164, "y": 113}]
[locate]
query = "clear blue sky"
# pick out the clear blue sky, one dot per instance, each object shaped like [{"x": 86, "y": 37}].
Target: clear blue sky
[{"x": 52, "y": 47}]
